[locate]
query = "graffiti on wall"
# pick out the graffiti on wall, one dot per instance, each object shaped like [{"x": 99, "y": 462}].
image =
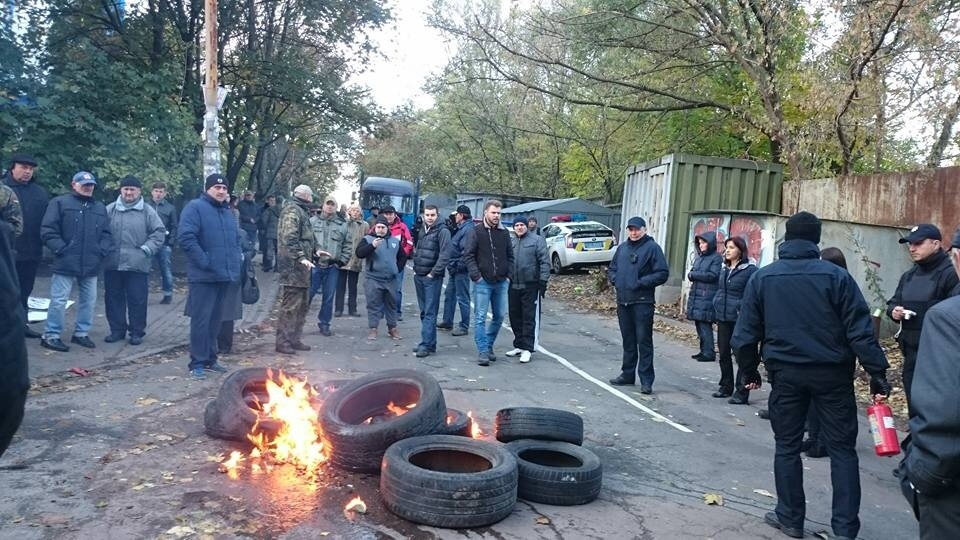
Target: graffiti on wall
[{"x": 756, "y": 231}]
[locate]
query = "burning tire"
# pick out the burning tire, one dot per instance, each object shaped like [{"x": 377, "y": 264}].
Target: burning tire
[
  {"x": 359, "y": 426},
  {"x": 457, "y": 423},
  {"x": 538, "y": 423},
  {"x": 235, "y": 410},
  {"x": 449, "y": 481},
  {"x": 556, "y": 473}
]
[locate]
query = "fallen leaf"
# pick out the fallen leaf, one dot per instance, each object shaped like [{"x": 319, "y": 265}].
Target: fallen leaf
[
  {"x": 740, "y": 422},
  {"x": 17, "y": 519},
  {"x": 543, "y": 520},
  {"x": 161, "y": 437},
  {"x": 713, "y": 498},
  {"x": 143, "y": 402},
  {"x": 101, "y": 504},
  {"x": 765, "y": 493}
]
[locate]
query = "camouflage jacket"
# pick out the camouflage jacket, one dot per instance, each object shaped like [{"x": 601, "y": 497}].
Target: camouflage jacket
[
  {"x": 295, "y": 242},
  {"x": 11, "y": 217}
]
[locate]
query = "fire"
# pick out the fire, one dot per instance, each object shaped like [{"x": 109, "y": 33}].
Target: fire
[
  {"x": 399, "y": 411},
  {"x": 230, "y": 465},
  {"x": 475, "y": 430},
  {"x": 299, "y": 441},
  {"x": 391, "y": 412},
  {"x": 357, "y": 505}
]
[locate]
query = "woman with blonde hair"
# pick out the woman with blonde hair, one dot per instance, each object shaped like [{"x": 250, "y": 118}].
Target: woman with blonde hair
[{"x": 350, "y": 272}]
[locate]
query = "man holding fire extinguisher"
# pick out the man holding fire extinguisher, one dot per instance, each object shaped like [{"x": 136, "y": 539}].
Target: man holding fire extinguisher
[
  {"x": 930, "y": 471},
  {"x": 812, "y": 323}
]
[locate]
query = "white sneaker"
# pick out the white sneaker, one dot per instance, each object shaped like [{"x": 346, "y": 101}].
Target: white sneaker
[
  {"x": 514, "y": 352},
  {"x": 524, "y": 357}
]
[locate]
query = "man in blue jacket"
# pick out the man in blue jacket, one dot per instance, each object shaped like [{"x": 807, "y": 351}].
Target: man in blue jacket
[
  {"x": 812, "y": 323},
  {"x": 76, "y": 229},
  {"x": 210, "y": 237},
  {"x": 637, "y": 269},
  {"x": 458, "y": 286}
]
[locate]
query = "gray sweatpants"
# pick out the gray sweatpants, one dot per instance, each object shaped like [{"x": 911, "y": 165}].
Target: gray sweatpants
[{"x": 381, "y": 301}]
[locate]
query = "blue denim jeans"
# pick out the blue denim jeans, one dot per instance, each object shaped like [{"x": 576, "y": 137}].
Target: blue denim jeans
[
  {"x": 492, "y": 295},
  {"x": 324, "y": 282},
  {"x": 166, "y": 274},
  {"x": 457, "y": 294},
  {"x": 428, "y": 298},
  {"x": 60, "y": 287}
]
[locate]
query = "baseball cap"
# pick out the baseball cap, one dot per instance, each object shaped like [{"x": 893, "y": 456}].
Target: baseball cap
[
  {"x": 636, "y": 222},
  {"x": 83, "y": 178},
  {"x": 388, "y": 208},
  {"x": 922, "y": 232}
]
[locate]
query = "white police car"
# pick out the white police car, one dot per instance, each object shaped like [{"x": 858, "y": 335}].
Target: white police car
[{"x": 577, "y": 244}]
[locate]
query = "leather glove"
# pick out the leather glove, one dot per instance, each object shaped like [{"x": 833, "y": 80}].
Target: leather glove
[
  {"x": 879, "y": 384},
  {"x": 543, "y": 289},
  {"x": 752, "y": 377}
]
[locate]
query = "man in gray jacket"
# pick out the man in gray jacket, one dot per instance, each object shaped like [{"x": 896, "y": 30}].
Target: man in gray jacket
[
  {"x": 429, "y": 263},
  {"x": 138, "y": 234},
  {"x": 531, "y": 271}
]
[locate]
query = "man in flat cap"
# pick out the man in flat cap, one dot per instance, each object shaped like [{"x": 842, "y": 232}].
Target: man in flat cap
[
  {"x": 210, "y": 238},
  {"x": 296, "y": 248},
  {"x": 138, "y": 233},
  {"x": 33, "y": 199},
  {"x": 333, "y": 251},
  {"x": 931, "y": 280}
]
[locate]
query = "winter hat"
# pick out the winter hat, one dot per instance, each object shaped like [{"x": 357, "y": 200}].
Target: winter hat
[
  {"x": 803, "y": 226},
  {"x": 520, "y": 219},
  {"x": 464, "y": 209},
  {"x": 303, "y": 192},
  {"x": 636, "y": 222},
  {"x": 215, "y": 179},
  {"x": 383, "y": 220},
  {"x": 131, "y": 181}
]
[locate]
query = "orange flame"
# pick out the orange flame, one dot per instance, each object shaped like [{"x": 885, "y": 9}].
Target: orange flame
[
  {"x": 475, "y": 430},
  {"x": 399, "y": 411},
  {"x": 231, "y": 464}
]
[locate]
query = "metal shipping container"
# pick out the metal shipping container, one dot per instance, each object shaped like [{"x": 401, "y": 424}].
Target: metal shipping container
[{"x": 665, "y": 191}]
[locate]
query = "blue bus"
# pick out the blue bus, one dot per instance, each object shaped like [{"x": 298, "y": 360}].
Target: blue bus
[{"x": 401, "y": 194}]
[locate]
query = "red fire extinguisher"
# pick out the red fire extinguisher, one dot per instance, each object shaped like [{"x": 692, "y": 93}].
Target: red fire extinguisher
[{"x": 885, "y": 441}]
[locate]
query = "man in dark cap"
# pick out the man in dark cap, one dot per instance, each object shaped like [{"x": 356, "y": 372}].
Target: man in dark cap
[
  {"x": 138, "y": 233},
  {"x": 76, "y": 229},
  {"x": 458, "y": 286},
  {"x": 930, "y": 470},
  {"x": 931, "y": 280},
  {"x": 210, "y": 238},
  {"x": 812, "y": 323},
  {"x": 638, "y": 267},
  {"x": 33, "y": 199}
]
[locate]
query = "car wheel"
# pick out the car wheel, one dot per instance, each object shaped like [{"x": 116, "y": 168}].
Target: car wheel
[
  {"x": 556, "y": 473},
  {"x": 356, "y": 421},
  {"x": 555, "y": 264},
  {"x": 538, "y": 423},
  {"x": 449, "y": 481},
  {"x": 236, "y": 408}
]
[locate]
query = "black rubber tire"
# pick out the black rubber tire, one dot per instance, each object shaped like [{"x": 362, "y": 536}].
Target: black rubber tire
[
  {"x": 356, "y": 446},
  {"x": 230, "y": 415},
  {"x": 457, "y": 423},
  {"x": 538, "y": 423},
  {"x": 557, "y": 473},
  {"x": 449, "y": 481}
]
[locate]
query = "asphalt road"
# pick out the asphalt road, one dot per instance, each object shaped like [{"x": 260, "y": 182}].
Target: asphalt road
[{"x": 122, "y": 454}]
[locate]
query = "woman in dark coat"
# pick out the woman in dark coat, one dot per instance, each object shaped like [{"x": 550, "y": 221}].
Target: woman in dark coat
[
  {"x": 703, "y": 276},
  {"x": 726, "y": 305}
]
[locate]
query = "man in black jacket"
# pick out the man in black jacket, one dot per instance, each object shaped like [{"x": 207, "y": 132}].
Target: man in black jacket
[
  {"x": 931, "y": 280},
  {"x": 77, "y": 230},
  {"x": 429, "y": 263},
  {"x": 812, "y": 323},
  {"x": 489, "y": 259},
  {"x": 14, "y": 381},
  {"x": 249, "y": 215},
  {"x": 930, "y": 470},
  {"x": 33, "y": 204},
  {"x": 168, "y": 215}
]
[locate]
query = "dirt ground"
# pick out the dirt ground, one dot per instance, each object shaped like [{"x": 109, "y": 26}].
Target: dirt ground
[{"x": 589, "y": 291}]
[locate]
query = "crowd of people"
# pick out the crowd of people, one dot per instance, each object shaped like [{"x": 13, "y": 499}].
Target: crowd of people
[{"x": 803, "y": 316}]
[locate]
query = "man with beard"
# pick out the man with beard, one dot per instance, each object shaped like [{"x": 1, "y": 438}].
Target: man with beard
[
  {"x": 138, "y": 233},
  {"x": 297, "y": 247},
  {"x": 931, "y": 280},
  {"x": 489, "y": 259},
  {"x": 28, "y": 246}
]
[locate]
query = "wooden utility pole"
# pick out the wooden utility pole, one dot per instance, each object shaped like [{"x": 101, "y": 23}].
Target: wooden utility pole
[{"x": 211, "y": 125}]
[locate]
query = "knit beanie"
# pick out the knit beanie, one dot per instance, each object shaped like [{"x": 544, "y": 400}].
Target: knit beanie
[{"x": 803, "y": 226}]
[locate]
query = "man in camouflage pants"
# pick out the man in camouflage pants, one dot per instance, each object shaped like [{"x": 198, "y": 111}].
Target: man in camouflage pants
[
  {"x": 11, "y": 218},
  {"x": 296, "y": 248}
]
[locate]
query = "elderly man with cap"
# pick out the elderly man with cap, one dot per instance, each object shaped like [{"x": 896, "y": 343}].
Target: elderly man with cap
[
  {"x": 812, "y": 324},
  {"x": 458, "y": 286},
  {"x": 296, "y": 248},
  {"x": 210, "y": 238},
  {"x": 333, "y": 251},
  {"x": 638, "y": 267},
  {"x": 138, "y": 233},
  {"x": 76, "y": 229},
  {"x": 931, "y": 280},
  {"x": 930, "y": 470},
  {"x": 28, "y": 246}
]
